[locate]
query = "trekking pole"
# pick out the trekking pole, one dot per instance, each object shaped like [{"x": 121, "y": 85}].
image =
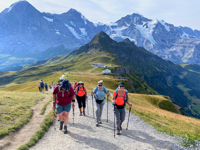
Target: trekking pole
[
  {"x": 107, "y": 108},
  {"x": 54, "y": 121},
  {"x": 73, "y": 115},
  {"x": 114, "y": 120},
  {"x": 93, "y": 105},
  {"x": 87, "y": 106},
  {"x": 128, "y": 118}
]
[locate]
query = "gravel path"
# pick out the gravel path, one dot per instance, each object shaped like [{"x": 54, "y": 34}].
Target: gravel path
[{"x": 85, "y": 135}]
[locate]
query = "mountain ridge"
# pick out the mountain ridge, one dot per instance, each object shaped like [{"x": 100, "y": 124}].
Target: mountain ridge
[{"x": 29, "y": 31}]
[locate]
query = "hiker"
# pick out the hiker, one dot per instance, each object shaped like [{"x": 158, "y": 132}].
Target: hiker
[
  {"x": 49, "y": 86},
  {"x": 75, "y": 85},
  {"x": 63, "y": 103},
  {"x": 46, "y": 87},
  {"x": 81, "y": 96},
  {"x": 41, "y": 86},
  {"x": 100, "y": 92},
  {"x": 119, "y": 99},
  {"x": 54, "y": 86}
]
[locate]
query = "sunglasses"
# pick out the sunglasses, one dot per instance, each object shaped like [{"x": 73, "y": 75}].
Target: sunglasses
[
  {"x": 100, "y": 85},
  {"x": 121, "y": 86}
]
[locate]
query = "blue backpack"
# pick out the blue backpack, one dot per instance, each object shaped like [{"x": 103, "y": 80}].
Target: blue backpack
[{"x": 42, "y": 84}]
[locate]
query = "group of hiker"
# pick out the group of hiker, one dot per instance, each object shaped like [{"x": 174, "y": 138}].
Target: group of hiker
[
  {"x": 64, "y": 96},
  {"x": 42, "y": 86}
]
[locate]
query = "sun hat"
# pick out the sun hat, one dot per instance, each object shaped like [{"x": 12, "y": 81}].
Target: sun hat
[
  {"x": 80, "y": 83},
  {"x": 65, "y": 84}
]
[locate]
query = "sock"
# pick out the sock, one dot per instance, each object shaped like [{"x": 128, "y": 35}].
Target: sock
[
  {"x": 61, "y": 123},
  {"x": 65, "y": 127}
]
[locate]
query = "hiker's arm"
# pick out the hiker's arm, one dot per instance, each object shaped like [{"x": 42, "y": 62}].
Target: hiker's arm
[
  {"x": 129, "y": 103},
  {"x": 54, "y": 101},
  {"x": 107, "y": 92},
  {"x": 92, "y": 92},
  {"x": 86, "y": 93},
  {"x": 73, "y": 101},
  {"x": 113, "y": 98}
]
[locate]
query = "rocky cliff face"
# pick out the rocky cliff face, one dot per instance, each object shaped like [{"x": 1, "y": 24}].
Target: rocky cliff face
[{"x": 26, "y": 31}]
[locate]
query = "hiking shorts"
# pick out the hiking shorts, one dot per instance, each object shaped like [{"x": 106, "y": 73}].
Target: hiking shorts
[{"x": 66, "y": 108}]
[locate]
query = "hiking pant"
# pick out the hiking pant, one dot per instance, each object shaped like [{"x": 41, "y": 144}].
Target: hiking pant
[
  {"x": 120, "y": 117},
  {"x": 81, "y": 101},
  {"x": 39, "y": 89},
  {"x": 46, "y": 88},
  {"x": 99, "y": 111}
]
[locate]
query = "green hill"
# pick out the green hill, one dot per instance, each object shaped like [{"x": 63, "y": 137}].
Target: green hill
[{"x": 146, "y": 72}]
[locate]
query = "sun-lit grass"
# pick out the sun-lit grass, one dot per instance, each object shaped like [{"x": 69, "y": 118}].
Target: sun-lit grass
[
  {"x": 15, "y": 110},
  {"x": 33, "y": 85}
]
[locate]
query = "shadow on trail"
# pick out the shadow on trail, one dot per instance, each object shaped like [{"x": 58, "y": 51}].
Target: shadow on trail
[
  {"x": 82, "y": 126},
  {"x": 93, "y": 142},
  {"x": 146, "y": 138}
]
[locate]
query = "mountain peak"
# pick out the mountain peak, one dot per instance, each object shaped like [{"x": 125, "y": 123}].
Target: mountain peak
[
  {"x": 72, "y": 10},
  {"x": 20, "y": 3},
  {"x": 101, "y": 37}
]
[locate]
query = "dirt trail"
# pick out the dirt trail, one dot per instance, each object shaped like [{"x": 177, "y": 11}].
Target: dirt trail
[{"x": 14, "y": 140}]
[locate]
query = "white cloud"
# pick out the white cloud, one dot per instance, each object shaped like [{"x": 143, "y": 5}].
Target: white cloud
[{"x": 177, "y": 12}]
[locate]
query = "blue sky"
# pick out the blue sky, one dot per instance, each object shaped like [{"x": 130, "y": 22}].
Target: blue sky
[{"x": 177, "y": 12}]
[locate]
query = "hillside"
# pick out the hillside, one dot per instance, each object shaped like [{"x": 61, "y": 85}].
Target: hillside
[{"x": 166, "y": 78}]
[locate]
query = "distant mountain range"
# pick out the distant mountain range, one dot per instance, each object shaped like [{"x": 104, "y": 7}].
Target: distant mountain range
[{"x": 26, "y": 33}]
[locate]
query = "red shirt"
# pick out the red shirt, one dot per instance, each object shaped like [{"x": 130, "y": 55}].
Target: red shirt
[{"x": 63, "y": 99}]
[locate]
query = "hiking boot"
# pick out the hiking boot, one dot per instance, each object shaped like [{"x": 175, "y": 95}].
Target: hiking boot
[
  {"x": 118, "y": 132},
  {"x": 97, "y": 124},
  {"x": 61, "y": 125},
  {"x": 84, "y": 113},
  {"x": 65, "y": 129},
  {"x": 100, "y": 122},
  {"x": 80, "y": 114},
  {"x": 65, "y": 132}
]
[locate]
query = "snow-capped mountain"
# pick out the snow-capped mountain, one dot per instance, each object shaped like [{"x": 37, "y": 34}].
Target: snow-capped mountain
[{"x": 25, "y": 31}]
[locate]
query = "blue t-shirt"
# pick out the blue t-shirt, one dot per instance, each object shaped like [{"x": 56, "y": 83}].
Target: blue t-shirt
[{"x": 100, "y": 94}]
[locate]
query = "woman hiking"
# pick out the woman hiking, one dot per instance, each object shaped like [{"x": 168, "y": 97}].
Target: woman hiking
[
  {"x": 100, "y": 92},
  {"x": 81, "y": 96},
  {"x": 75, "y": 85},
  {"x": 119, "y": 99},
  {"x": 63, "y": 100}
]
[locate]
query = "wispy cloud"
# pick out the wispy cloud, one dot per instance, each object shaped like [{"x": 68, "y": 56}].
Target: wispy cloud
[{"x": 177, "y": 12}]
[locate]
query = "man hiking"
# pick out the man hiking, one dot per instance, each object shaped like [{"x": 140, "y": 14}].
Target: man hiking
[
  {"x": 65, "y": 96},
  {"x": 81, "y": 96},
  {"x": 42, "y": 86},
  {"x": 99, "y": 92},
  {"x": 119, "y": 99},
  {"x": 46, "y": 87}
]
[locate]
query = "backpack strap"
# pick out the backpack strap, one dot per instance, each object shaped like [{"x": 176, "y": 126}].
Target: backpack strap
[{"x": 96, "y": 92}]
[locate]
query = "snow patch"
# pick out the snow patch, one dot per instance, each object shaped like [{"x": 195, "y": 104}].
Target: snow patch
[
  {"x": 72, "y": 23},
  {"x": 98, "y": 24},
  {"x": 185, "y": 35},
  {"x": 57, "y": 32},
  {"x": 166, "y": 26},
  {"x": 118, "y": 32},
  {"x": 146, "y": 32},
  {"x": 84, "y": 19},
  {"x": 48, "y": 19},
  {"x": 73, "y": 31},
  {"x": 83, "y": 31}
]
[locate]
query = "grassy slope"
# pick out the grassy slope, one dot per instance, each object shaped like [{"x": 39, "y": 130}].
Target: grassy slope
[{"x": 15, "y": 110}]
